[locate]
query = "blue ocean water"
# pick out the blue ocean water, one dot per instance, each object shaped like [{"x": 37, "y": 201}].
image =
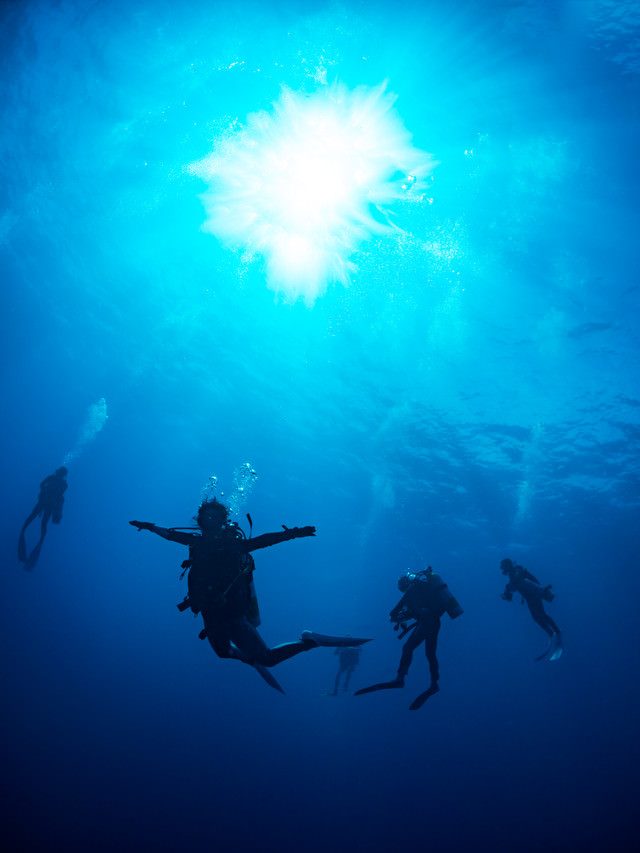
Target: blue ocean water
[{"x": 470, "y": 393}]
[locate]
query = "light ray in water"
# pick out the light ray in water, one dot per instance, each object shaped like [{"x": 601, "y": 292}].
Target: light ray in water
[
  {"x": 304, "y": 185},
  {"x": 531, "y": 459}
]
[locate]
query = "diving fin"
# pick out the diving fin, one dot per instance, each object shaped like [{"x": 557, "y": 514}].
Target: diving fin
[
  {"x": 547, "y": 650},
  {"x": 384, "y": 685},
  {"x": 554, "y": 649},
  {"x": 22, "y": 548},
  {"x": 33, "y": 557},
  {"x": 265, "y": 673},
  {"x": 419, "y": 701},
  {"x": 329, "y": 641},
  {"x": 558, "y": 647}
]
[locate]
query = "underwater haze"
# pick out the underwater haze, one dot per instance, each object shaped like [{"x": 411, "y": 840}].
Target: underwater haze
[{"x": 368, "y": 266}]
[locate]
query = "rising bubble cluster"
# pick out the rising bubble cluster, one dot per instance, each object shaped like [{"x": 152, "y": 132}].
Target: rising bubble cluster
[
  {"x": 244, "y": 479},
  {"x": 94, "y": 421}
]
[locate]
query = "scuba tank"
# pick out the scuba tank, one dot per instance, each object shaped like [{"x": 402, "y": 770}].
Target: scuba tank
[
  {"x": 446, "y": 601},
  {"x": 530, "y": 589}
]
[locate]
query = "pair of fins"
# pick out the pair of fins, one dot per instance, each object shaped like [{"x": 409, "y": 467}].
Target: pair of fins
[
  {"x": 318, "y": 640},
  {"x": 32, "y": 559},
  {"x": 417, "y": 703},
  {"x": 554, "y": 649}
]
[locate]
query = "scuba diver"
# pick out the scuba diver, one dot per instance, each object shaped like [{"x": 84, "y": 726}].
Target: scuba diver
[
  {"x": 49, "y": 506},
  {"x": 532, "y": 591},
  {"x": 426, "y": 597},
  {"x": 220, "y": 587},
  {"x": 349, "y": 658}
]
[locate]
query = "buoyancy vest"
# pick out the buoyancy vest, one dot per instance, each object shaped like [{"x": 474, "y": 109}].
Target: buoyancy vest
[
  {"x": 431, "y": 593},
  {"x": 529, "y": 587},
  {"x": 220, "y": 573},
  {"x": 221, "y": 576},
  {"x": 51, "y": 497}
]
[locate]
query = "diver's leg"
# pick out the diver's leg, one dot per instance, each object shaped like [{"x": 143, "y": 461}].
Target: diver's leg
[
  {"x": 249, "y": 642},
  {"x": 218, "y": 636},
  {"x": 46, "y": 515},
  {"x": 415, "y": 638},
  {"x": 540, "y": 617},
  {"x": 551, "y": 623},
  {"x": 56, "y": 511},
  {"x": 430, "y": 645},
  {"x": 337, "y": 682},
  {"x": 286, "y": 650},
  {"x": 349, "y": 672},
  {"x": 34, "y": 512}
]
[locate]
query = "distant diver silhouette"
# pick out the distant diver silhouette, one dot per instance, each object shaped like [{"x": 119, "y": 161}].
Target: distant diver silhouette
[
  {"x": 532, "y": 591},
  {"x": 348, "y": 659},
  {"x": 49, "y": 506},
  {"x": 426, "y": 598}
]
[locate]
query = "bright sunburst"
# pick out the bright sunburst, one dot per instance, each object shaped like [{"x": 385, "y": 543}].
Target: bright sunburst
[{"x": 302, "y": 186}]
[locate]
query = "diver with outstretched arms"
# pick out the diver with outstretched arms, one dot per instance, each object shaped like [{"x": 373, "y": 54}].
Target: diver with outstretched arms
[
  {"x": 533, "y": 593},
  {"x": 426, "y": 597},
  {"x": 221, "y": 589}
]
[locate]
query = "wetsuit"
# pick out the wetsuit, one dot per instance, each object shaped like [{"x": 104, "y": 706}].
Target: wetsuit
[
  {"x": 49, "y": 506},
  {"x": 50, "y": 502},
  {"x": 420, "y": 602},
  {"x": 530, "y": 588}
]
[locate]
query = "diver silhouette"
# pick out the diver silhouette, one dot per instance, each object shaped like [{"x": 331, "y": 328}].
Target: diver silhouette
[
  {"x": 348, "y": 659},
  {"x": 221, "y": 589},
  {"x": 49, "y": 506},
  {"x": 426, "y": 597},
  {"x": 532, "y": 591}
]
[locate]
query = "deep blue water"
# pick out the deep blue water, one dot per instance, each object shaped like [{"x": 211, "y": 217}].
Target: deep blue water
[{"x": 473, "y": 394}]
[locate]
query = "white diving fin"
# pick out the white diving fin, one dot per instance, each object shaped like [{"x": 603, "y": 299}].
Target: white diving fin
[
  {"x": 558, "y": 647},
  {"x": 554, "y": 648}
]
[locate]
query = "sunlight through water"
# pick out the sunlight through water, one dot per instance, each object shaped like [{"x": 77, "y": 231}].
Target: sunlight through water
[{"x": 304, "y": 185}]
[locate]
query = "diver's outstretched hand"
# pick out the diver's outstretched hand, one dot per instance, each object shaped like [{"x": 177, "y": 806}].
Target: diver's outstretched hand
[
  {"x": 298, "y": 532},
  {"x": 142, "y": 525}
]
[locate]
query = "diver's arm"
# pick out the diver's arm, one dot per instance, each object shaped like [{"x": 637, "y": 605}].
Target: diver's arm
[
  {"x": 268, "y": 539},
  {"x": 507, "y": 595},
  {"x": 45, "y": 486},
  {"x": 166, "y": 532},
  {"x": 395, "y": 614}
]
